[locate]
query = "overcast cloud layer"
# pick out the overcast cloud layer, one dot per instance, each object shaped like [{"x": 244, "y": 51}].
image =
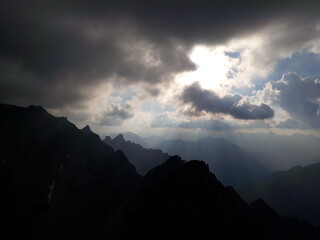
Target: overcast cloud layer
[{"x": 59, "y": 53}]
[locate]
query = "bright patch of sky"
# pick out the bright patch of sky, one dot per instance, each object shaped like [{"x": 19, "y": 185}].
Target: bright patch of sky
[{"x": 213, "y": 66}]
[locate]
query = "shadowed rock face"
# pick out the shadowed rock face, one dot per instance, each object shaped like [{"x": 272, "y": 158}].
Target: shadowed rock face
[
  {"x": 56, "y": 178},
  {"x": 183, "y": 200},
  {"x": 143, "y": 159},
  {"x": 57, "y": 182}
]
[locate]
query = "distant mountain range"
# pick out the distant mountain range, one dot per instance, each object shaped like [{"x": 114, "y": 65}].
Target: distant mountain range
[
  {"x": 132, "y": 137},
  {"x": 154, "y": 141},
  {"x": 143, "y": 159},
  {"x": 281, "y": 152},
  {"x": 295, "y": 192},
  {"x": 276, "y": 152},
  {"x": 233, "y": 165},
  {"x": 57, "y": 182}
]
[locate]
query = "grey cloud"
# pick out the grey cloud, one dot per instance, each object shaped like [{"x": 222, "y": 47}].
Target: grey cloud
[
  {"x": 223, "y": 125},
  {"x": 200, "y": 21},
  {"x": 300, "y": 98},
  {"x": 202, "y": 100},
  {"x": 55, "y": 59},
  {"x": 116, "y": 115},
  {"x": 53, "y": 51}
]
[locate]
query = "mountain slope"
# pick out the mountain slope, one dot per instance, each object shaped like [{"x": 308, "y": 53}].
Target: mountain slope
[
  {"x": 183, "y": 200},
  {"x": 232, "y": 165},
  {"x": 295, "y": 192},
  {"x": 143, "y": 159},
  {"x": 56, "y": 181}
]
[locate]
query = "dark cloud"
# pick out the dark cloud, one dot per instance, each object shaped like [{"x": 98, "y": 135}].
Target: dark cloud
[
  {"x": 300, "y": 98},
  {"x": 212, "y": 21},
  {"x": 52, "y": 52},
  {"x": 205, "y": 124},
  {"x": 202, "y": 100},
  {"x": 116, "y": 115},
  {"x": 55, "y": 59}
]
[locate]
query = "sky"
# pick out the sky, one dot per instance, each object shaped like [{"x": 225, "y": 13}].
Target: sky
[{"x": 165, "y": 67}]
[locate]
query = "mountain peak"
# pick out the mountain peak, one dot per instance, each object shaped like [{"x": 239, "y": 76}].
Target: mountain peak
[
  {"x": 173, "y": 163},
  {"x": 87, "y": 129},
  {"x": 132, "y": 137},
  {"x": 107, "y": 139},
  {"x": 119, "y": 138},
  {"x": 175, "y": 160},
  {"x": 37, "y": 109}
]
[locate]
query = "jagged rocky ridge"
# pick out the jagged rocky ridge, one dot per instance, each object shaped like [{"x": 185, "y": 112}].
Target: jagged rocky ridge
[
  {"x": 143, "y": 159},
  {"x": 57, "y": 182},
  {"x": 134, "y": 138},
  {"x": 60, "y": 183},
  {"x": 183, "y": 200}
]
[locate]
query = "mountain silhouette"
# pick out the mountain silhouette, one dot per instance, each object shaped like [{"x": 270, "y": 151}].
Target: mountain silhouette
[
  {"x": 233, "y": 165},
  {"x": 87, "y": 129},
  {"x": 57, "y": 182},
  {"x": 143, "y": 159},
  {"x": 183, "y": 200},
  {"x": 295, "y": 192},
  {"x": 132, "y": 137}
]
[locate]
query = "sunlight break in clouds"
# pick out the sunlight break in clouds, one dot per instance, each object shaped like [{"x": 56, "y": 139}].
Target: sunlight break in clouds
[
  {"x": 234, "y": 63},
  {"x": 213, "y": 66}
]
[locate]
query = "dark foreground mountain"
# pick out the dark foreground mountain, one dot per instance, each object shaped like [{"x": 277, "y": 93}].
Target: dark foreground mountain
[
  {"x": 60, "y": 183},
  {"x": 295, "y": 192},
  {"x": 233, "y": 165},
  {"x": 55, "y": 181},
  {"x": 181, "y": 200},
  {"x": 143, "y": 159}
]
